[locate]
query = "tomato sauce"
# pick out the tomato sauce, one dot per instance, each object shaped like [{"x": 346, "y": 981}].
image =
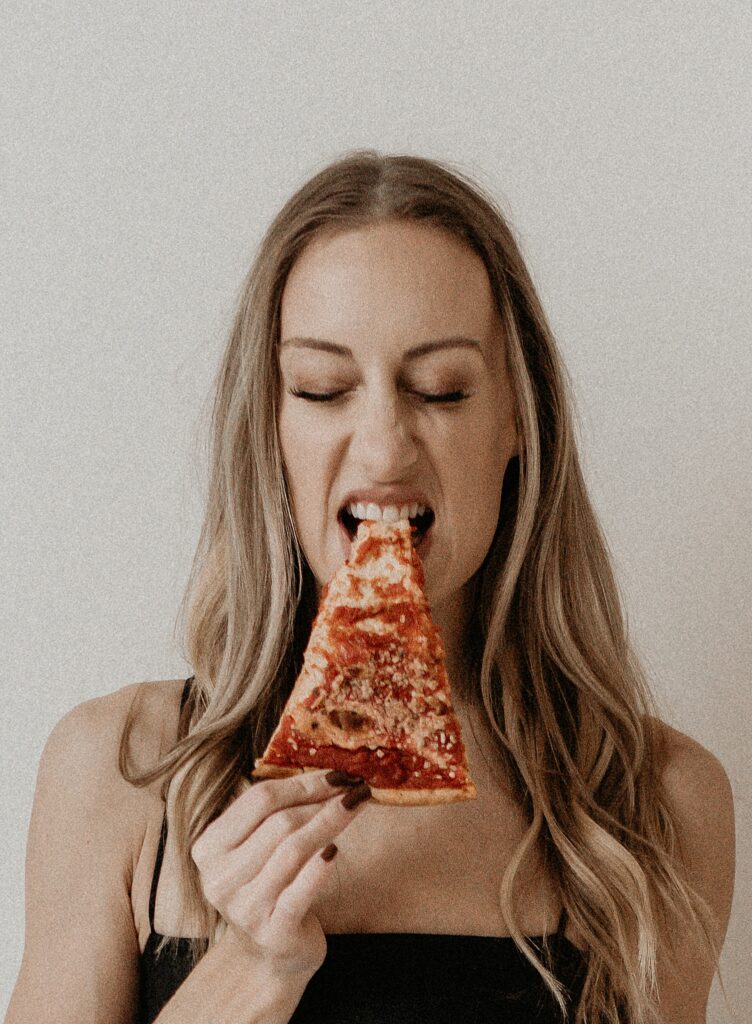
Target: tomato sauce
[
  {"x": 393, "y": 769},
  {"x": 382, "y": 767}
]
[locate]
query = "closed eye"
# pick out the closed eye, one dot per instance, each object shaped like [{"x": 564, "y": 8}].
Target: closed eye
[
  {"x": 316, "y": 396},
  {"x": 330, "y": 396},
  {"x": 448, "y": 396}
]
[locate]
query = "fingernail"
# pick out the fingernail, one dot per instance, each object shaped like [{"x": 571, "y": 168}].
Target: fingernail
[
  {"x": 356, "y": 796},
  {"x": 329, "y": 853},
  {"x": 339, "y": 778}
]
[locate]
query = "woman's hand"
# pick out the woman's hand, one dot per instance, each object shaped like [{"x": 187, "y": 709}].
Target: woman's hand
[{"x": 262, "y": 862}]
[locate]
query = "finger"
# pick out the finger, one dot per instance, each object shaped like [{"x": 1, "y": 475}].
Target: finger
[
  {"x": 288, "y": 858},
  {"x": 255, "y": 805},
  {"x": 237, "y": 867},
  {"x": 295, "y": 901}
]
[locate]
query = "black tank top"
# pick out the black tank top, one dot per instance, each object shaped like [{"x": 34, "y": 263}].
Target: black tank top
[{"x": 396, "y": 977}]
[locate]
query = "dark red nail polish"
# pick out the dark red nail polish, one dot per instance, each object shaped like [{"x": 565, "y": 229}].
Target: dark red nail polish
[
  {"x": 329, "y": 853},
  {"x": 356, "y": 796},
  {"x": 339, "y": 778}
]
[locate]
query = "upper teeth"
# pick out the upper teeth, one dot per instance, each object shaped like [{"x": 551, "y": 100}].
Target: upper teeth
[{"x": 389, "y": 513}]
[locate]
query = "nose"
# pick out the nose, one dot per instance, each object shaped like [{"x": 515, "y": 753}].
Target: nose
[{"x": 383, "y": 442}]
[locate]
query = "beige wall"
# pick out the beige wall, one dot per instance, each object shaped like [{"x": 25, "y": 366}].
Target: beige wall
[{"x": 148, "y": 145}]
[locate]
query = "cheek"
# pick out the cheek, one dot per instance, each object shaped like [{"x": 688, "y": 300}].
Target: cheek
[
  {"x": 305, "y": 453},
  {"x": 295, "y": 454},
  {"x": 476, "y": 458},
  {"x": 475, "y": 473}
]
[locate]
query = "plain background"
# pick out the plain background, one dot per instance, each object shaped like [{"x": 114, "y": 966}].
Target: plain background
[{"x": 147, "y": 146}]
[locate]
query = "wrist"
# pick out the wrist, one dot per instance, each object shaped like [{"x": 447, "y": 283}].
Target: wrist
[
  {"x": 232, "y": 984},
  {"x": 263, "y": 974}
]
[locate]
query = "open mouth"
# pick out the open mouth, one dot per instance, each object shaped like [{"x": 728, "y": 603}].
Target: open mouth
[{"x": 421, "y": 523}]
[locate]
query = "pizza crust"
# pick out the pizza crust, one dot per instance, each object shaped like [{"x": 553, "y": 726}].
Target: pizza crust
[
  {"x": 276, "y": 771},
  {"x": 422, "y": 797},
  {"x": 380, "y": 795}
]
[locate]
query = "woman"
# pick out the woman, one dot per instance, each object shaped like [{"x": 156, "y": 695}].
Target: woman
[{"x": 389, "y": 347}]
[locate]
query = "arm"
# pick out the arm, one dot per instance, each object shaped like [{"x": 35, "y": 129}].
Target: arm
[
  {"x": 80, "y": 960},
  {"x": 230, "y": 985},
  {"x": 700, "y": 796},
  {"x": 81, "y": 951},
  {"x": 261, "y": 864}
]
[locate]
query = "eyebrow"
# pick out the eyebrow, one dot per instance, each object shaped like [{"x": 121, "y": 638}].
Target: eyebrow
[{"x": 437, "y": 345}]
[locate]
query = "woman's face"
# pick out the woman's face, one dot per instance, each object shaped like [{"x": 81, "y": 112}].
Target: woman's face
[{"x": 390, "y": 336}]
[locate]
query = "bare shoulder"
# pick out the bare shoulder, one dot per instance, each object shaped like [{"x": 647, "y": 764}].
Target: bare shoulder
[
  {"x": 699, "y": 794},
  {"x": 88, "y": 826},
  {"x": 94, "y": 725},
  {"x": 83, "y": 750},
  {"x": 694, "y": 779}
]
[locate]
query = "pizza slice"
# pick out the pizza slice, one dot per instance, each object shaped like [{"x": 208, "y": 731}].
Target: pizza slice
[{"x": 373, "y": 697}]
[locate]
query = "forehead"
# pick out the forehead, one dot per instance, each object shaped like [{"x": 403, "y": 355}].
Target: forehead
[{"x": 396, "y": 281}]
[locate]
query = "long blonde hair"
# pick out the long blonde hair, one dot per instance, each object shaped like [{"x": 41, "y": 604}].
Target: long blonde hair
[{"x": 563, "y": 692}]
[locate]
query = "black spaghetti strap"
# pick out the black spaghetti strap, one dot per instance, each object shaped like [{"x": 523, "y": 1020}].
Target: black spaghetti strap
[
  {"x": 163, "y": 833},
  {"x": 561, "y": 927},
  {"x": 157, "y": 870}
]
